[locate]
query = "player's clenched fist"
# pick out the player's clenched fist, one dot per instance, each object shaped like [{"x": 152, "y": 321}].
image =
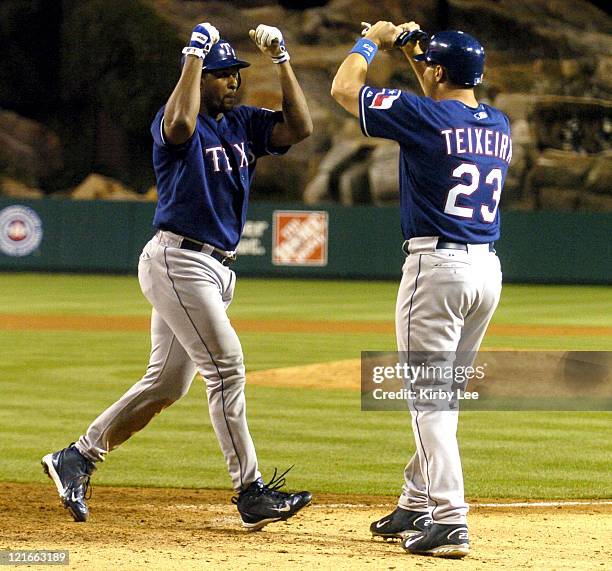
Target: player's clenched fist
[
  {"x": 270, "y": 41},
  {"x": 415, "y": 34},
  {"x": 202, "y": 39},
  {"x": 383, "y": 34}
]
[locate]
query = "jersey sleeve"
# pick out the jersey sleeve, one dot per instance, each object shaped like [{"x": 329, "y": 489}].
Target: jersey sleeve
[
  {"x": 260, "y": 124},
  {"x": 389, "y": 114},
  {"x": 157, "y": 131}
]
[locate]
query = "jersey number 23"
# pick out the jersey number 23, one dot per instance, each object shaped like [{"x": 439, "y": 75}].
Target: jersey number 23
[{"x": 486, "y": 212}]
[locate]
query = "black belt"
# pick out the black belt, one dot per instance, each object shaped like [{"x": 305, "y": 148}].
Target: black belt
[
  {"x": 217, "y": 254},
  {"x": 451, "y": 246},
  {"x": 442, "y": 245}
]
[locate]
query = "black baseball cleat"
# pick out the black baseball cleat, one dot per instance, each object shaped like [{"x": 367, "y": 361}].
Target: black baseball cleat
[
  {"x": 400, "y": 523},
  {"x": 260, "y": 504},
  {"x": 70, "y": 471},
  {"x": 440, "y": 540}
]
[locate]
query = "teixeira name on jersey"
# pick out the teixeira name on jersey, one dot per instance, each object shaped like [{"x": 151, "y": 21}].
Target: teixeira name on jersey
[{"x": 472, "y": 140}]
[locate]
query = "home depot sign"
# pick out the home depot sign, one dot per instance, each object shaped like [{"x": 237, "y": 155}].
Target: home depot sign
[{"x": 300, "y": 238}]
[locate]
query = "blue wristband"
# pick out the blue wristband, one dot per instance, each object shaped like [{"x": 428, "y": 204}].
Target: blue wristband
[{"x": 366, "y": 48}]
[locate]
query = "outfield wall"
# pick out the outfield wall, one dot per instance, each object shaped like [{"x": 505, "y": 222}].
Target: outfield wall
[{"x": 291, "y": 240}]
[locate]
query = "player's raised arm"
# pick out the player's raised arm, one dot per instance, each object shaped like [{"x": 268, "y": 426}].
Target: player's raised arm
[
  {"x": 351, "y": 75},
  {"x": 183, "y": 106},
  {"x": 297, "y": 123},
  {"x": 411, "y": 49}
]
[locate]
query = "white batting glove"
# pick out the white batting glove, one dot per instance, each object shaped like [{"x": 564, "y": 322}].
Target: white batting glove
[
  {"x": 202, "y": 39},
  {"x": 270, "y": 41}
]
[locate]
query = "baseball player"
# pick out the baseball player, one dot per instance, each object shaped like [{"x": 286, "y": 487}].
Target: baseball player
[
  {"x": 205, "y": 149},
  {"x": 454, "y": 154}
]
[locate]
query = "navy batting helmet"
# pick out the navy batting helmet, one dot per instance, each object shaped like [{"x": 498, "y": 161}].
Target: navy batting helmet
[
  {"x": 222, "y": 56},
  {"x": 459, "y": 53}
]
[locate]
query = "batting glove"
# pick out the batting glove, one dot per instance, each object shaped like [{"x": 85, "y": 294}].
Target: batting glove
[
  {"x": 202, "y": 39},
  {"x": 270, "y": 41}
]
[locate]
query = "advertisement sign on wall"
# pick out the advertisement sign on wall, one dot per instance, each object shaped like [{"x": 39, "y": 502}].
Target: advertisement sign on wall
[{"x": 300, "y": 238}]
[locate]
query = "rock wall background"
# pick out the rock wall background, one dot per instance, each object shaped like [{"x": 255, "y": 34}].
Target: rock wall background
[{"x": 80, "y": 100}]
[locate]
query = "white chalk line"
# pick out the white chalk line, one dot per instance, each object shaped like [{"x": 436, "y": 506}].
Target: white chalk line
[
  {"x": 557, "y": 504},
  {"x": 544, "y": 504}
]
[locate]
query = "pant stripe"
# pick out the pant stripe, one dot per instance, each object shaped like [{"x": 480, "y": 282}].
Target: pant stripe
[
  {"x": 416, "y": 418},
  {"x": 214, "y": 363},
  {"x": 416, "y": 283}
]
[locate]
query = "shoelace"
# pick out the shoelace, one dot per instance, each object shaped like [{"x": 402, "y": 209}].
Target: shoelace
[
  {"x": 82, "y": 481},
  {"x": 272, "y": 487},
  {"x": 276, "y": 483}
]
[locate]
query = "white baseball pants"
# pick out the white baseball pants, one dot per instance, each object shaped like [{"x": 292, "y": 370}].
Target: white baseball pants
[
  {"x": 190, "y": 330},
  {"x": 445, "y": 301}
]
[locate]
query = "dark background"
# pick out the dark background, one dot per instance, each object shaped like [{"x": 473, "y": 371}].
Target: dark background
[{"x": 94, "y": 72}]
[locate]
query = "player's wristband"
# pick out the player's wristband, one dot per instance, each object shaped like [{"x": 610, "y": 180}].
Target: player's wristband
[
  {"x": 366, "y": 48},
  {"x": 281, "y": 58},
  {"x": 191, "y": 51},
  {"x": 284, "y": 55}
]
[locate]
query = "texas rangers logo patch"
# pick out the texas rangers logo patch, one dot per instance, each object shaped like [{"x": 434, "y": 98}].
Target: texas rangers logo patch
[{"x": 385, "y": 99}]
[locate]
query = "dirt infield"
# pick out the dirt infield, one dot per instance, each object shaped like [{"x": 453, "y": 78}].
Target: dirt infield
[
  {"x": 133, "y": 528},
  {"x": 19, "y": 322}
]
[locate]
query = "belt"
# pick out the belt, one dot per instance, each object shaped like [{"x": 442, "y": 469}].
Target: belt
[
  {"x": 226, "y": 258},
  {"x": 443, "y": 245},
  {"x": 451, "y": 246}
]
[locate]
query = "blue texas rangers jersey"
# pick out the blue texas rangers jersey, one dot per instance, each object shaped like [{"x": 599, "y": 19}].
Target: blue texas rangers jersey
[
  {"x": 453, "y": 162},
  {"x": 203, "y": 184}
]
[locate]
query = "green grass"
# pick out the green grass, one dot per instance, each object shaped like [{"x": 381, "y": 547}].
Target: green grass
[
  {"x": 61, "y": 294},
  {"x": 53, "y": 383},
  {"x": 296, "y": 299}
]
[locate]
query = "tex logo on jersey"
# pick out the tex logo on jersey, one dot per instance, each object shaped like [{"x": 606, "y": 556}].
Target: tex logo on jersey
[
  {"x": 220, "y": 160},
  {"x": 384, "y": 99}
]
